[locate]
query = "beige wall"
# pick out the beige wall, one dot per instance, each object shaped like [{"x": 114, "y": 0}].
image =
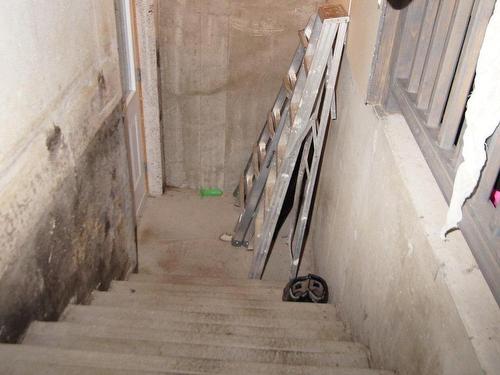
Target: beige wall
[
  {"x": 361, "y": 39},
  {"x": 147, "y": 30},
  {"x": 47, "y": 50},
  {"x": 63, "y": 173},
  {"x": 419, "y": 303},
  {"x": 222, "y": 64}
]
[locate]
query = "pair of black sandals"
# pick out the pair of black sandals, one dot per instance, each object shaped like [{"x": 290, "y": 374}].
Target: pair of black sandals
[{"x": 310, "y": 288}]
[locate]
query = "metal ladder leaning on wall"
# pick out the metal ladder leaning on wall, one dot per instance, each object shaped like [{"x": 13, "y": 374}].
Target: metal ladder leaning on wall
[{"x": 295, "y": 129}]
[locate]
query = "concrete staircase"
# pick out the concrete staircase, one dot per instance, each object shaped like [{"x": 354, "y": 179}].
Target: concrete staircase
[{"x": 189, "y": 325}]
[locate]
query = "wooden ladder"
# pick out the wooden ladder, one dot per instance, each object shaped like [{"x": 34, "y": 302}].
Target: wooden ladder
[{"x": 294, "y": 133}]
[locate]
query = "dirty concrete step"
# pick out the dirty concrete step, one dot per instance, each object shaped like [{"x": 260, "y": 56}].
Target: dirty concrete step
[
  {"x": 204, "y": 323},
  {"x": 162, "y": 301},
  {"x": 11, "y": 354},
  {"x": 208, "y": 281},
  {"x": 147, "y": 296},
  {"x": 172, "y": 335},
  {"x": 38, "y": 368},
  {"x": 346, "y": 354},
  {"x": 238, "y": 292},
  {"x": 252, "y": 317}
]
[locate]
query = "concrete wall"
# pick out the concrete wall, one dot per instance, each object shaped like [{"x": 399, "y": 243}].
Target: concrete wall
[
  {"x": 221, "y": 67},
  {"x": 419, "y": 303},
  {"x": 64, "y": 182},
  {"x": 147, "y": 35}
]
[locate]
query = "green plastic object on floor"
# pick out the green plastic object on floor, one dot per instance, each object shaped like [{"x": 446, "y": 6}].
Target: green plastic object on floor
[{"x": 210, "y": 192}]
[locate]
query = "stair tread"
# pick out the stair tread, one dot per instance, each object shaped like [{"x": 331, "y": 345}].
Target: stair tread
[
  {"x": 162, "y": 301},
  {"x": 347, "y": 354},
  {"x": 39, "y": 368},
  {"x": 11, "y": 354},
  {"x": 166, "y": 297},
  {"x": 269, "y": 320},
  {"x": 272, "y": 294},
  {"x": 172, "y": 335},
  {"x": 202, "y": 323},
  {"x": 205, "y": 280}
]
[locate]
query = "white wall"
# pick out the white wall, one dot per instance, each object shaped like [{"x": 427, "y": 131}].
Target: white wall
[{"x": 47, "y": 48}]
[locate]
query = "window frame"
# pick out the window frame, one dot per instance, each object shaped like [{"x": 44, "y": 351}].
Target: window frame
[{"x": 453, "y": 40}]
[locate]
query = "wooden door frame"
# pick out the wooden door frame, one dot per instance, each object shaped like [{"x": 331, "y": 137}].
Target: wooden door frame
[
  {"x": 146, "y": 24},
  {"x": 137, "y": 87}
]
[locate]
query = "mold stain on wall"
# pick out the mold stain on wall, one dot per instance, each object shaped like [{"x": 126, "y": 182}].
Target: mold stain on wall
[
  {"x": 81, "y": 242},
  {"x": 65, "y": 200}
]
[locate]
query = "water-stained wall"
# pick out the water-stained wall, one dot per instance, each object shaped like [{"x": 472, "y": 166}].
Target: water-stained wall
[
  {"x": 222, "y": 63},
  {"x": 65, "y": 202}
]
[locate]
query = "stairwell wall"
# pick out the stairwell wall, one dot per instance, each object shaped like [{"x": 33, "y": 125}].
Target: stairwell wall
[
  {"x": 222, "y": 64},
  {"x": 65, "y": 201},
  {"x": 419, "y": 303}
]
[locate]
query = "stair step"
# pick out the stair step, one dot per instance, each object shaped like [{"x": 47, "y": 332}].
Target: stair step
[
  {"x": 172, "y": 335},
  {"x": 158, "y": 319},
  {"x": 200, "y": 323},
  {"x": 208, "y": 281},
  {"x": 10, "y": 355},
  {"x": 346, "y": 355},
  {"x": 243, "y": 308},
  {"x": 37, "y": 368},
  {"x": 238, "y": 292},
  {"x": 154, "y": 295}
]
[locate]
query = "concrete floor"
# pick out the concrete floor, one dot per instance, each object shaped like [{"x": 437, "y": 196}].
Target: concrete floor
[{"x": 179, "y": 235}]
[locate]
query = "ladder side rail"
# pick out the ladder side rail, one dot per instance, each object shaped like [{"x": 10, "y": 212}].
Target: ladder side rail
[
  {"x": 303, "y": 168},
  {"x": 332, "y": 73},
  {"x": 294, "y": 212}
]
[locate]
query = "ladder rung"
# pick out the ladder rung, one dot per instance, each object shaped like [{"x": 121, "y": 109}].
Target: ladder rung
[
  {"x": 292, "y": 76},
  {"x": 304, "y": 40},
  {"x": 255, "y": 160},
  {"x": 249, "y": 181},
  {"x": 288, "y": 85},
  {"x": 271, "y": 126},
  {"x": 305, "y": 34},
  {"x": 309, "y": 28},
  {"x": 262, "y": 153},
  {"x": 307, "y": 63},
  {"x": 277, "y": 117}
]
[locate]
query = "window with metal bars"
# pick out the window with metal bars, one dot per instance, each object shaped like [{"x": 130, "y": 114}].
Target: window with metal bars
[{"x": 424, "y": 68}]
